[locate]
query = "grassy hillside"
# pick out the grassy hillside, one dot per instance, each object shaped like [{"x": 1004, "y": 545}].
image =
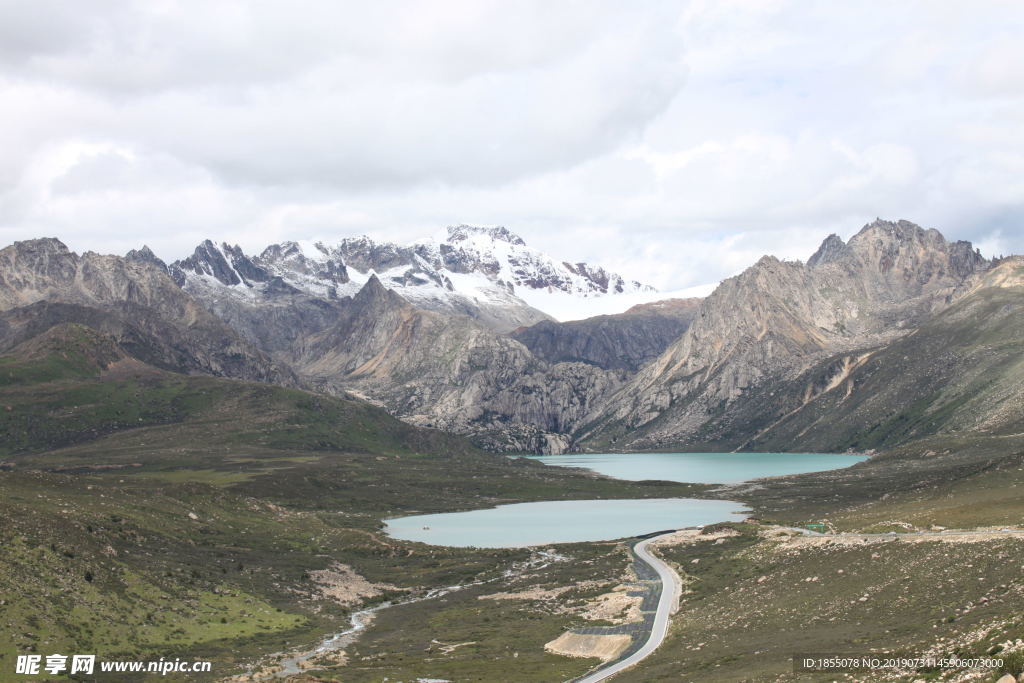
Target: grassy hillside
[
  {"x": 754, "y": 599},
  {"x": 150, "y": 514},
  {"x": 153, "y": 514}
]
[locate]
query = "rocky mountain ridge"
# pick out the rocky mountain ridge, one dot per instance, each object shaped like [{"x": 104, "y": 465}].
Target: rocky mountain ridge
[
  {"x": 450, "y": 373},
  {"x": 488, "y": 274},
  {"x": 961, "y": 372},
  {"x": 134, "y": 300},
  {"x": 758, "y": 362},
  {"x": 777, "y": 319}
]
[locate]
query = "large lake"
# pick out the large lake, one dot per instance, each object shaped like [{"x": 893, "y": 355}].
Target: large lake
[
  {"x": 571, "y": 521},
  {"x": 701, "y": 468}
]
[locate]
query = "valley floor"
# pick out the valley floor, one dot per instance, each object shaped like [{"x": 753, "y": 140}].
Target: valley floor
[
  {"x": 148, "y": 514},
  {"x": 757, "y": 593}
]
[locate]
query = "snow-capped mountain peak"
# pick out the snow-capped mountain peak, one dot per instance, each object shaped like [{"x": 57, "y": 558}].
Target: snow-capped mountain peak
[
  {"x": 460, "y": 233},
  {"x": 489, "y": 273}
]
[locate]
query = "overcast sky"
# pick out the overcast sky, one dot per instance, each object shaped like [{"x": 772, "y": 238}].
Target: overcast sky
[{"x": 674, "y": 142}]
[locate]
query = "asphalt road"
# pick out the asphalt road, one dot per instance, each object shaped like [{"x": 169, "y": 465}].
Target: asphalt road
[{"x": 669, "y": 592}]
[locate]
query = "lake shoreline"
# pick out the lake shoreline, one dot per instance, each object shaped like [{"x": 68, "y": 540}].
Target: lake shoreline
[
  {"x": 543, "y": 523},
  {"x": 707, "y": 468},
  {"x": 526, "y": 524}
]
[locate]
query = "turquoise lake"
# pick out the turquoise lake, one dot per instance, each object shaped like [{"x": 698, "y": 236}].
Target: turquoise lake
[
  {"x": 571, "y": 521},
  {"x": 561, "y": 521},
  {"x": 701, "y": 468}
]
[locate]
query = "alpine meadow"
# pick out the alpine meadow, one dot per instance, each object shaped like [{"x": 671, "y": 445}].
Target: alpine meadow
[{"x": 514, "y": 342}]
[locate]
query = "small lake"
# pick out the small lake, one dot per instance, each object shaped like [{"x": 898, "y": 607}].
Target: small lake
[
  {"x": 701, "y": 468},
  {"x": 561, "y": 521}
]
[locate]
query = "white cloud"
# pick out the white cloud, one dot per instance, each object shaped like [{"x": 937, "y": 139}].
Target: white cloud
[{"x": 675, "y": 143}]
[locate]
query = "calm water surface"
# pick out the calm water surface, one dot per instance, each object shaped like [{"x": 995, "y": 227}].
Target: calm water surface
[
  {"x": 573, "y": 521},
  {"x": 561, "y": 521},
  {"x": 701, "y": 468}
]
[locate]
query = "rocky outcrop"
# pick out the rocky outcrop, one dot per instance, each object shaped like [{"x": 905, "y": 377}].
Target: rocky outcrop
[
  {"x": 146, "y": 255},
  {"x": 613, "y": 342},
  {"x": 777, "y": 319},
  {"x": 288, "y": 258},
  {"x": 961, "y": 372},
  {"x": 830, "y": 251},
  {"x": 413, "y": 328},
  {"x": 274, "y": 317},
  {"x": 901, "y": 258},
  {"x": 226, "y": 264},
  {"x": 1005, "y": 273},
  {"x": 43, "y": 283},
  {"x": 448, "y": 372}
]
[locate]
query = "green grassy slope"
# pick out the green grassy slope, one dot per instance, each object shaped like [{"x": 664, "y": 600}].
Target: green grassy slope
[
  {"x": 752, "y": 602},
  {"x": 151, "y": 514}
]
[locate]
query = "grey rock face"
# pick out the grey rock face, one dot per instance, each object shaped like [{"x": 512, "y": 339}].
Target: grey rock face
[
  {"x": 43, "y": 283},
  {"x": 146, "y": 255},
  {"x": 228, "y": 264},
  {"x": 908, "y": 259},
  {"x": 288, "y": 257},
  {"x": 612, "y": 342},
  {"x": 777, "y": 319},
  {"x": 448, "y": 372},
  {"x": 831, "y": 250},
  {"x": 604, "y": 281},
  {"x": 276, "y": 317},
  {"x": 248, "y": 294},
  {"x": 364, "y": 254},
  {"x": 960, "y": 372}
]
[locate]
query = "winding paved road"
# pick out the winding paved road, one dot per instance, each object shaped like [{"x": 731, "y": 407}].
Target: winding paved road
[{"x": 669, "y": 593}]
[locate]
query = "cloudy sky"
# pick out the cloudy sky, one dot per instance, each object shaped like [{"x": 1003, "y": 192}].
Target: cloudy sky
[{"x": 675, "y": 142}]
